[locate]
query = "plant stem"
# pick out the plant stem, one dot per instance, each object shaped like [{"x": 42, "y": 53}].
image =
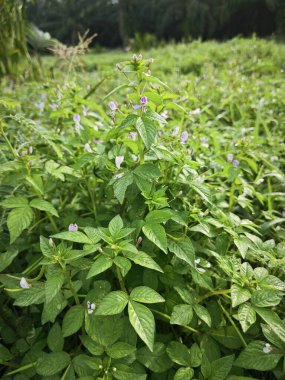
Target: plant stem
[
  {"x": 21, "y": 369},
  {"x": 52, "y": 222},
  {"x": 167, "y": 317},
  {"x": 215, "y": 292},
  {"x": 121, "y": 280},
  {"x": 232, "y": 323},
  {"x": 8, "y": 142},
  {"x": 39, "y": 276},
  {"x": 71, "y": 287}
]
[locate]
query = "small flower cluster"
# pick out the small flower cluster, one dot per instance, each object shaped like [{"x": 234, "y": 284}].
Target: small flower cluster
[
  {"x": 90, "y": 307},
  {"x": 73, "y": 227},
  {"x": 230, "y": 158}
]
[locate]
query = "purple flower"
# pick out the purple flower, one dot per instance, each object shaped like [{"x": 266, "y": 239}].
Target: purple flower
[
  {"x": 41, "y": 106},
  {"x": 283, "y": 214},
  {"x": 58, "y": 95},
  {"x": 143, "y": 101},
  {"x": 53, "y": 106},
  {"x": 118, "y": 161},
  {"x": 230, "y": 157},
  {"x": 73, "y": 227},
  {"x": 184, "y": 137},
  {"x": 112, "y": 106},
  {"x": 137, "y": 106},
  {"x": 132, "y": 135},
  {"x": 88, "y": 148},
  {"x": 76, "y": 118},
  {"x": 204, "y": 139},
  {"x": 235, "y": 163}
]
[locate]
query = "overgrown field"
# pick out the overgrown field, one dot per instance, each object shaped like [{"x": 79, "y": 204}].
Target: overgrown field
[{"x": 142, "y": 216}]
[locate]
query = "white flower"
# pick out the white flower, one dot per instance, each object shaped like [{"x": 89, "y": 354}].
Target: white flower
[
  {"x": 201, "y": 270},
  {"x": 267, "y": 348},
  {"x": 197, "y": 261},
  {"x": 88, "y": 148},
  {"x": 90, "y": 307},
  {"x": 197, "y": 111},
  {"x": 118, "y": 161},
  {"x": 24, "y": 283},
  {"x": 175, "y": 131}
]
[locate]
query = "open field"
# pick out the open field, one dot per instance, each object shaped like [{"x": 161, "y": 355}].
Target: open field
[{"x": 142, "y": 216}]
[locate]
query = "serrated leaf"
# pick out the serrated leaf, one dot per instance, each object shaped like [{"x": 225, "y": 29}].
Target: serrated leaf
[
  {"x": 184, "y": 374},
  {"x": 55, "y": 339},
  {"x": 239, "y": 295},
  {"x": 74, "y": 236},
  {"x": 32, "y": 296},
  {"x": 183, "y": 249},
  {"x": 273, "y": 320},
  {"x": 203, "y": 314},
  {"x": 40, "y": 204},
  {"x": 94, "y": 348},
  {"x": 220, "y": 368},
  {"x": 50, "y": 364},
  {"x": 120, "y": 350},
  {"x": 181, "y": 315},
  {"x": 145, "y": 294},
  {"x": 157, "y": 360},
  {"x": 100, "y": 265},
  {"x": 146, "y": 129},
  {"x": 246, "y": 316},
  {"x": 156, "y": 234},
  {"x": 18, "y": 220},
  {"x": 148, "y": 171},
  {"x": 179, "y": 353},
  {"x": 159, "y": 216},
  {"x": 115, "y": 225},
  {"x": 121, "y": 185},
  {"x": 253, "y": 357},
  {"x": 53, "y": 285},
  {"x": 142, "y": 320},
  {"x": 15, "y": 202},
  {"x": 266, "y": 298},
  {"x": 144, "y": 260},
  {"x": 129, "y": 121},
  {"x": 113, "y": 303},
  {"x": 73, "y": 320}
]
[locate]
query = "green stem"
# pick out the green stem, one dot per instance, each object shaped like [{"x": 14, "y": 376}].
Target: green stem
[
  {"x": 167, "y": 317},
  {"x": 232, "y": 323},
  {"x": 269, "y": 200},
  {"x": 52, "y": 222},
  {"x": 71, "y": 287},
  {"x": 215, "y": 292},
  {"x": 8, "y": 142},
  {"x": 39, "y": 276},
  {"x": 21, "y": 369},
  {"x": 32, "y": 267},
  {"x": 232, "y": 195},
  {"x": 121, "y": 280},
  {"x": 141, "y": 150}
]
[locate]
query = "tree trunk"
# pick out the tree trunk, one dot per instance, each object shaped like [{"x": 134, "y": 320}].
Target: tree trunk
[{"x": 123, "y": 21}]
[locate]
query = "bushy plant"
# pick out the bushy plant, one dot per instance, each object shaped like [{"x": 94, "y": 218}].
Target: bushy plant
[{"x": 134, "y": 245}]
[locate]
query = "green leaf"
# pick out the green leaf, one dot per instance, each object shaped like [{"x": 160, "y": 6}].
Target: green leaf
[
  {"x": 113, "y": 303},
  {"x": 100, "y": 265},
  {"x": 32, "y": 296},
  {"x": 220, "y": 368},
  {"x": 246, "y": 316},
  {"x": 5, "y": 354},
  {"x": 228, "y": 337},
  {"x": 73, "y": 320},
  {"x": 181, "y": 315},
  {"x": 115, "y": 225},
  {"x": 203, "y": 314},
  {"x": 94, "y": 348},
  {"x": 45, "y": 247},
  {"x": 145, "y": 294},
  {"x": 266, "y": 298},
  {"x": 148, "y": 171},
  {"x": 15, "y": 202},
  {"x": 195, "y": 355},
  {"x": 53, "y": 285},
  {"x": 106, "y": 329},
  {"x": 146, "y": 129},
  {"x": 253, "y": 357},
  {"x": 159, "y": 216},
  {"x": 274, "y": 322},
  {"x": 120, "y": 350},
  {"x": 124, "y": 264},
  {"x": 239, "y": 295},
  {"x": 40, "y": 204},
  {"x": 142, "y": 320},
  {"x": 53, "y": 308},
  {"x": 183, "y": 249},
  {"x": 50, "y": 364},
  {"x": 184, "y": 374},
  {"x": 74, "y": 236},
  {"x": 121, "y": 185},
  {"x": 242, "y": 243},
  {"x": 18, "y": 220},
  {"x": 156, "y": 234},
  {"x": 7, "y": 258},
  {"x": 179, "y": 353},
  {"x": 157, "y": 360},
  {"x": 129, "y": 121},
  {"x": 144, "y": 260},
  {"x": 55, "y": 339}
]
